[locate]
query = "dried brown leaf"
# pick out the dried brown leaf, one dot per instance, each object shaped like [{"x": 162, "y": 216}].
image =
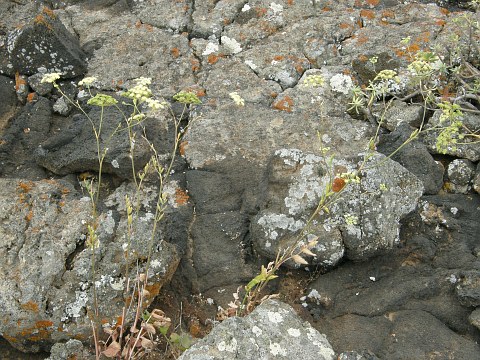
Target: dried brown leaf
[
  {"x": 307, "y": 251},
  {"x": 149, "y": 328},
  {"x": 112, "y": 350},
  {"x": 147, "y": 343},
  {"x": 299, "y": 260}
]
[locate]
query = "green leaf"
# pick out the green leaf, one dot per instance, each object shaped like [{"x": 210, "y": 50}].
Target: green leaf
[
  {"x": 185, "y": 97},
  {"x": 102, "y": 100}
]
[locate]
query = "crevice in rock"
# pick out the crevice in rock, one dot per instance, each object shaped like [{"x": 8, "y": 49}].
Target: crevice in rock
[{"x": 70, "y": 261}]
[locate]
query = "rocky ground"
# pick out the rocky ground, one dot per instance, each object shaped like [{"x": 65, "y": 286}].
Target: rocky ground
[{"x": 396, "y": 272}]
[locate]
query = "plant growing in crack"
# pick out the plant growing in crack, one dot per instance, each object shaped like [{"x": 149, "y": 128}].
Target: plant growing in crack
[{"x": 136, "y": 330}]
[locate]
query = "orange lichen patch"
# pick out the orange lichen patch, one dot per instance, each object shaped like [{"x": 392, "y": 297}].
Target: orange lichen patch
[
  {"x": 29, "y": 216},
  {"x": 195, "y": 329},
  {"x": 43, "y": 324},
  {"x": 181, "y": 196},
  {"x": 361, "y": 39},
  {"x": 153, "y": 289},
  {"x": 372, "y": 2},
  {"x": 19, "y": 81},
  {"x": 149, "y": 27},
  {"x": 182, "y": 147},
  {"x": 40, "y": 20},
  {"x": 423, "y": 37},
  {"x": 285, "y": 104},
  {"x": 345, "y": 26},
  {"x": 49, "y": 12},
  {"x": 444, "y": 11},
  {"x": 195, "y": 64},
  {"x": 31, "y": 96},
  {"x": 388, "y": 14},
  {"x": 25, "y": 186},
  {"x": 338, "y": 184},
  {"x": 119, "y": 321},
  {"x": 104, "y": 321},
  {"x": 278, "y": 57},
  {"x": 9, "y": 338},
  {"x": 175, "y": 52},
  {"x": 363, "y": 58},
  {"x": 440, "y": 22},
  {"x": 273, "y": 94},
  {"x": 368, "y": 14},
  {"x": 138, "y": 24},
  {"x": 65, "y": 191},
  {"x": 290, "y": 2},
  {"x": 212, "y": 59},
  {"x": 226, "y": 21},
  {"x": 30, "y": 305},
  {"x": 326, "y": 8}
]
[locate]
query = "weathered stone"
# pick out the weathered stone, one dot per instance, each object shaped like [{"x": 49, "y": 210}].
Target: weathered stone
[
  {"x": 468, "y": 289},
  {"x": 74, "y": 149},
  {"x": 64, "y": 351},
  {"x": 45, "y": 44},
  {"x": 210, "y": 17},
  {"x": 414, "y": 156},
  {"x": 35, "y": 82},
  {"x": 144, "y": 51},
  {"x": 43, "y": 234},
  {"x": 363, "y": 222},
  {"x": 422, "y": 22},
  {"x": 474, "y": 318},
  {"x": 218, "y": 249},
  {"x": 460, "y": 175},
  {"x": 62, "y": 106},
  {"x": 23, "y": 135},
  {"x": 229, "y": 76},
  {"x": 272, "y": 330},
  {"x": 399, "y": 112},
  {"x": 166, "y": 14}
]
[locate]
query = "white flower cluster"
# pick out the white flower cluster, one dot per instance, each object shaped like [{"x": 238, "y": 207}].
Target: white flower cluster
[
  {"x": 142, "y": 93},
  {"x": 50, "y": 78},
  {"x": 88, "y": 81}
]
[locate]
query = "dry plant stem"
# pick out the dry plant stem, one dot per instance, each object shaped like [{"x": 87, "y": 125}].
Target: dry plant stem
[
  {"x": 164, "y": 175},
  {"x": 97, "y": 349}
]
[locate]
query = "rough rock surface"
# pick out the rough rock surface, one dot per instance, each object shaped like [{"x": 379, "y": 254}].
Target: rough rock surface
[
  {"x": 399, "y": 298},
  {"x": 46, "y": 276},
  {"x": 272, "y": 330},
  {"x": 227, "y": 176},
  {"x": 74, "y": 149},
  {"x": 45, "y": 45},
  {"x": 365, "y": 221},
  {"x": 414, "y": 156}
]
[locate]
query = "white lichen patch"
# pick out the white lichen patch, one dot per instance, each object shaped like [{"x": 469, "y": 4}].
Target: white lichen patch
[
  {"x": 230, "y": 346},
  {"x": 271, "y": 222},
  {"x": 276, "y": 349},
  {"x": 232, "y": 46},
  {"x": 75, "y": 310},
  {"x": 293, "y": 332},
  {"x": 275, "y": 317},
  {"x": 341, "y": 83},
  {"x": 251, "y": 64},
  {"x": 257, "y": 331},
  {"x": 210, "y": 49}
]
